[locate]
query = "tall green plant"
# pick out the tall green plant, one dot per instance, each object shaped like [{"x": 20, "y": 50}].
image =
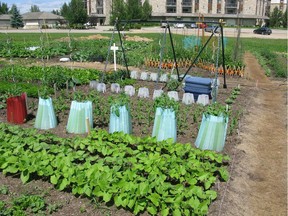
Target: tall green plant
[
  {"x": 284, "y": 19},
  {"x": 275, "y": 18},
  {"x": 165, "y": 102}
]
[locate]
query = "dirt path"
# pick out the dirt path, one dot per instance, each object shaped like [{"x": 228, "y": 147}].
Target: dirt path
[{"x": 258, "y": 184}]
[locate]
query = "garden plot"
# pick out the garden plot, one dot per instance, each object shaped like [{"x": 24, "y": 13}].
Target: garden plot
[
  {"x": 144, "y": 196},
  {"x": 142, "y": 118}
]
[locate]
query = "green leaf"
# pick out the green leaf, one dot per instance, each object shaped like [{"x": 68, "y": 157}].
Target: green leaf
[
  {"x": 212, "y": 194},
  {"x": 138, "y": 208},
  {"x": 12, "y": 159},
  {"x": 131, "y": 203},
  {"x": 107, "y": 197},
  {"x": 11, "y": 169},
  {"x": 164, "y": 210},
  {"x": 91, "y": 149},
  {"x": 4, "y": 165},
  {"x": 54, "y": 179},
  {"x": 187, "y": 212},
  {"x": 182, "y": 170},
  {"x": 194, "y": 202},
  {"x": 152, "y": 210},
  {"x": 224, "y": 173},
  {"x": 87, "y": 190},
  {"x": 25, "y": 176},
  {"x": 118, "y": 200},
  {"x": 154, "y": 198},
  {"x": 63, "y": 184},
  {"x": 37, "y": 147},
  {"x": 176, "y": 212},
  {"x": 143, "y": 188}
]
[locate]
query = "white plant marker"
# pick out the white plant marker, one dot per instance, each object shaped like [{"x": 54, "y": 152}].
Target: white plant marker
[{"x": 114, "y": 48}]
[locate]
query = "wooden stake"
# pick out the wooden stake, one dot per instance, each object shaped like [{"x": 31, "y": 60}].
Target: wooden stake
[
  {"x": 88, "y": 126},
  {"x": 67, "y": 86},
  {"x": 55, "y": 90}
]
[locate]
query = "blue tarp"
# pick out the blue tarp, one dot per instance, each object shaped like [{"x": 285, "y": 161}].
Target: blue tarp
[
  {"x": 197, "y": 86},
  {"x": 199, "y": 81}
]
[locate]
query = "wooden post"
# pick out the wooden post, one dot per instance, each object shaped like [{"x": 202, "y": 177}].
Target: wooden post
[
  {"x": 55, "y": 90},
  {"x": 88, "y": 126}
]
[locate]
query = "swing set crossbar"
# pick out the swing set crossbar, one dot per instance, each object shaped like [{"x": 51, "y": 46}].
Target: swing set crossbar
[{"x": 168, "y": 22}]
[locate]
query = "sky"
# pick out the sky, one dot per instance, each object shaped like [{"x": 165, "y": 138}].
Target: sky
[{"x": 44, "y": 5}]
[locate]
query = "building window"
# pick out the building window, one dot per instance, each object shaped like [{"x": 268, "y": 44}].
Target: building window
[
  {"x": 171, "y": 3},
  {"x": 231, "y": 4},
  {"x": 219, "y": 5},
  {"x": 186, "y": 10},
  {"x": 171, "y": 9},
  {"x": 99, "y": 11},
  {"x": 210, "y": 6},
  {"x": 85, "y": 4},
  {"x": 186, "y": 3},
  {"x": 99, "y": 7},
  {"x": 231, "y": 11},
  {"x": 186, "y": 6},
  {"x": 196, "y": 6},
  {"x": 171, "y": 6}
]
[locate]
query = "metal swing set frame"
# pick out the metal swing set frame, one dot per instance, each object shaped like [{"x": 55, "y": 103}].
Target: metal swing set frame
[{"x": 167, "y": 26}]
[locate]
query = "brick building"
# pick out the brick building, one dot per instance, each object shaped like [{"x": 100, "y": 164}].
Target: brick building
[{"x": 249, "y": 12}]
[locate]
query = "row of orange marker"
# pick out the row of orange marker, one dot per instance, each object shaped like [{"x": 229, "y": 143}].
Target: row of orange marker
[{"x": 230, "y": 70}]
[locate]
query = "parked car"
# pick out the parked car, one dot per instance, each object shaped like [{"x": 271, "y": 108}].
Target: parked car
[
  {"x": 211, "y": 29},
  {"x": 263, "y": 30},
  {"x": 192, "y": 25},
  {"x": 179, "y": 25},
  {"x": 202, "y": 25},
  {"x": 163, "y": 24}
]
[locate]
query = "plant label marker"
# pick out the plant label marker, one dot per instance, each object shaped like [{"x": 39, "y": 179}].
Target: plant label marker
[
  {"x": 55, "y": 89},
  {"x": 114, "y": 48}
]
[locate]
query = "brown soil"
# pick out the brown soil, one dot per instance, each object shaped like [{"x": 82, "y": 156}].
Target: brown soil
[
  {"x": 99, "y": 36},
  {"x": 258, "y": 183}
]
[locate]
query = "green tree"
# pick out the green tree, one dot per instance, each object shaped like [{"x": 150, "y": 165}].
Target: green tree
[
  {"x": 146, "y": 10},
  {"x": 4, "y": 8},
  {"x": 34, "y": 8},
  {"x": 134, "y": 9},
  {"x": 275, "y": 18},
  {"x": 284, "y": 19},
  {"x": 16, "y": 19},
  {"x": 55, "y": 12},
  {"x": 64, "y": 10},
  {"x": 118, "y": 11},
  {"x": 75, "y": 13}
]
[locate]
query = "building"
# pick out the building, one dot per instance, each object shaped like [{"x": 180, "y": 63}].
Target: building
[
  {"x": 33, "y": 20},
  {"x": 250, "y": 12}
]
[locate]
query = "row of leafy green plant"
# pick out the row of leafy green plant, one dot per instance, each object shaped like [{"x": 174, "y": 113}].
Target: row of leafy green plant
[
  {"x": 25, "y": 204},
  {"x": 50, "y": 76},
  {"x": 136, "y": 51},
  {"x": 133, "y": 173},
  {"x": 272, "y": 54},
  {"x": 272, "y": 63}
]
